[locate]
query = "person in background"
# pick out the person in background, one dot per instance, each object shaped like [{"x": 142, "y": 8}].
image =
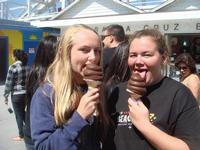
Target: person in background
[
  {"x": 166, "y": 116},
  {"x": 112, "y": 36},
  {"x": 45, "y": 54},
  {"x": 61, "y": 108},
  {"x": 188, "y": 74},
  {"x": 195, "y": 49},
  {"x": 118, "y": 69},
  {"x": 15, "y": 84}
]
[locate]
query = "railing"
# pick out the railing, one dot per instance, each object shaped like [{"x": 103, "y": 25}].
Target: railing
[{"x": 144, "y": 4}]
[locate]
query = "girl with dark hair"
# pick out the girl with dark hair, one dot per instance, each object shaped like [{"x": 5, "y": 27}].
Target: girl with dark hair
[
  {"x": 188, "y": 75},
  {"x": 45, "y": 54},
  {"x": 118, "y": 69},
  {"x": 15, "y": 84}
]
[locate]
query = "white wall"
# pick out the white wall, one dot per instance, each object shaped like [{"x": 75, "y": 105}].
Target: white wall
[{"x": 181, "y": 5}]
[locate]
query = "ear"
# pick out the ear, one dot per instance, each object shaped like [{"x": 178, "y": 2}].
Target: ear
[
  {"x": 165, "y": 58},
  {"x": 111, "y": 39}
]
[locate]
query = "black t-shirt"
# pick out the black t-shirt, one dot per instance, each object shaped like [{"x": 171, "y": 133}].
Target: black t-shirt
[{"x": 172, "y": 107}]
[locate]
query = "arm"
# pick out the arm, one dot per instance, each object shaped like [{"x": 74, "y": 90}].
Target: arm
[
  {"x": 9, "y": 82},
  {"x": 194, "y": 85},
  {"x": 139, "y": 115},
  {"x": 46, "y": 135}
]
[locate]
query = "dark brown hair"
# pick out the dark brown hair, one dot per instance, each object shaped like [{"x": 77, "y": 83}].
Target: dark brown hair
[
  {"x": 117, "y": 31},
  {"x": 186, "y": 59}
]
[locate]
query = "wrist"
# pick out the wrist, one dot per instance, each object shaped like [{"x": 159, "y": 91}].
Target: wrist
[
  {"x": 81, "y": 114},
  {"x": 143, "y": 126}
]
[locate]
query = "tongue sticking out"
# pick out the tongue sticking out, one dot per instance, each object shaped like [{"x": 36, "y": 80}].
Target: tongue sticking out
[{"x": 141, "y": 73}]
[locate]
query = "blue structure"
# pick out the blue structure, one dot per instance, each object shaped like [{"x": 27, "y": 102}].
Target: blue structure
[{"x": 22, "y": 35}]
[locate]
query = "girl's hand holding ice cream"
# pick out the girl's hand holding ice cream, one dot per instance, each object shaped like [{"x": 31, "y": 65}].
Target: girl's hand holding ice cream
[
  {"x": 88, "y": 103},
  {"x": 138, "y": 112},
  {"x": 93, "y": 75}
]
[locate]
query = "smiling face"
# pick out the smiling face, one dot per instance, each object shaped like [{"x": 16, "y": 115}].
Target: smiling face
[
  {"x": 145, "y": 59},
  {"x": 86, "y": 49}
]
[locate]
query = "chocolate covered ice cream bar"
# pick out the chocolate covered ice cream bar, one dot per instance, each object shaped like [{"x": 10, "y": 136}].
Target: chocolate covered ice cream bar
[{"x": 136, "y": 86}]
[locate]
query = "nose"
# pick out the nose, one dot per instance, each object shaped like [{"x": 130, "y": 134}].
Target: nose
[
  {"x": 91, "y": 56},
  {"x": 138, "y": 60}
]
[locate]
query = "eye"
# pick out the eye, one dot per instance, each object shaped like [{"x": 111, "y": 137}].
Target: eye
[
  {"x": 147, "y": 54},
  {"x": 132, "y": 55},
  {"x": 85, "y": 49}
]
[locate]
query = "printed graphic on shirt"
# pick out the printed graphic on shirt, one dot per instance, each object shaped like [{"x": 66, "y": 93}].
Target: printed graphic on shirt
[{"x": 124, "y": 119}]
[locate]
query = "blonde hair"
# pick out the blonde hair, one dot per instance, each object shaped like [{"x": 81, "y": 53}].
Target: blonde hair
[{"x": 66, "y": 91}]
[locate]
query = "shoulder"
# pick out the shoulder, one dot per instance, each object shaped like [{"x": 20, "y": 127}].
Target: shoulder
[
  {"x": 171, "y": 84},
  {"x": 12, "y": 67},
  {"x": 45, "y": 91},
  {"x": 176, "y": 95},
  {"x": 182, "y": 95},
  {"x": 171, "y": 91},
  {"x": 193, "y": 77},
  {"x": 175, "y": 86},
  {"x": 191, "y": 80}
]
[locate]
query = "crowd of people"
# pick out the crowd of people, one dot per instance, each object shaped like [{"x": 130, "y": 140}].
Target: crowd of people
[{"x": 92, "y": 92}]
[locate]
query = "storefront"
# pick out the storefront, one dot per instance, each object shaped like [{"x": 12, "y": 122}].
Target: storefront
[{"x": 181, "y": 29}]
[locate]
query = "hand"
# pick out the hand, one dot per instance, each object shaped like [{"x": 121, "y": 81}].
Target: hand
[
  {"x": 6, "y": 101},
  {"x": 138, "y": 112},
  {"x": 88, "y": 103}
]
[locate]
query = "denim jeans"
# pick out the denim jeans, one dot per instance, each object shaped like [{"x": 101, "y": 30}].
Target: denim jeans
[
  {"x": 29, "y": 146},
  {"x": 18, "y": 102}
]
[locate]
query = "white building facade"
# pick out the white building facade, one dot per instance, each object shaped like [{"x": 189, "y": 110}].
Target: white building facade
[{"x": 179, "y": 20}]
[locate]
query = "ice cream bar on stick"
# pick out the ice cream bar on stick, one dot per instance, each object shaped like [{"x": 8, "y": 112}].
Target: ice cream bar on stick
[
  {"x": 92, "y": 83},
  {"x": 136, "y": 86},
  {"x": 93, "y": 75}
]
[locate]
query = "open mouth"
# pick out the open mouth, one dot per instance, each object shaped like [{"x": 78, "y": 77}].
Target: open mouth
[{"x": 141, "y": 72}]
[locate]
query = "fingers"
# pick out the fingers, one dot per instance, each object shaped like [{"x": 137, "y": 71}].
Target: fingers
[
  {"x": 92, "y": 91},
  {"x": 6, "y": 102},
  {"x": 136, "y": 89},
  {"x": 88, "y": 103}
]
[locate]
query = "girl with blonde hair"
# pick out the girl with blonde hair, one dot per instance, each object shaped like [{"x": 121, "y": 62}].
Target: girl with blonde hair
[{"x": 62, "y": 107}]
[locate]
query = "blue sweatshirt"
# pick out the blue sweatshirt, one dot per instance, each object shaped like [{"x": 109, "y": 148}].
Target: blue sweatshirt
[{"x": 76, "y": 134}]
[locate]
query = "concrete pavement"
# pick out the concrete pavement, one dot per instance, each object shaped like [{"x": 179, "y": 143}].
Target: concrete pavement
[{"x": 8, "y": 127}]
